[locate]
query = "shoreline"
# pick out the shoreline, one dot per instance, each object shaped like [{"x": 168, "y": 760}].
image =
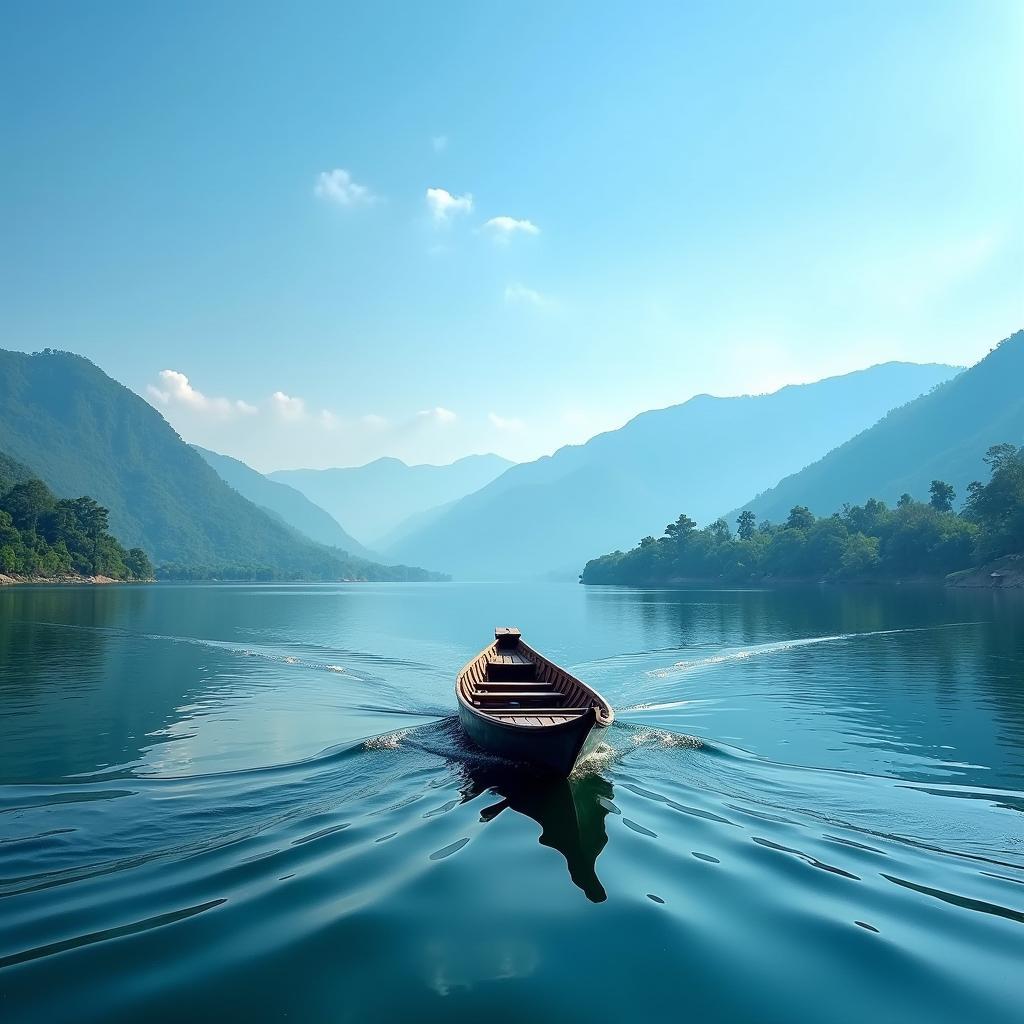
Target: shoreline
[
  {"x": 70, "y": 579},
  {"x": 1005, "y": 574}
]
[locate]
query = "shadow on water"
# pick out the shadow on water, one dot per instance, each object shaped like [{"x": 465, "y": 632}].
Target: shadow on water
[{"x": 571, "y": 813}]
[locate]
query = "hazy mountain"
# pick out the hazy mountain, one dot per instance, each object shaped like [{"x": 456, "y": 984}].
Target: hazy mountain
[
  {"x": 374, "y": 499},
  {"x": 940, "y": 436},
  {"x": 292, "y": 506},
  {"x": 84, "y": 433},
  {"x": 699, "y": 457}
]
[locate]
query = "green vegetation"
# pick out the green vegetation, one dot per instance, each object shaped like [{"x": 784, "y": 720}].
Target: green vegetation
[
  {"x": 942, "y": 435},
  {"x": 41, "y": 535},
  {"x": 357, "y": 570},
  {"x": 84, "y": 433},
  {"x": 283, "y": 503},
  {"x": 862, "y": 542}
]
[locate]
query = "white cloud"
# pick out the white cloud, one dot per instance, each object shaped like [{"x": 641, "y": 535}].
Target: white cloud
[
  {"x": 438, "y": 414},
  {"x": 287, "y": 406},
  {"x": 503, "y": 228},
  {"x": 175, "y": 389},
  {"x": 443, "y": 204},
  {"x": 511, "y": 424},
  {"x": 338, "y": 186},
  {"x": 519, "y": 293},
  {"x": 371, "y": 419},
  {"x": 439, "y": 143}
]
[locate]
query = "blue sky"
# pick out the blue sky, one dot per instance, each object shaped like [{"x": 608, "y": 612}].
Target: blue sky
[{"x": 229, "y": 208}]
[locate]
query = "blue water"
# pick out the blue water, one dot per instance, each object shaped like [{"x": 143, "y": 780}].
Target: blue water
[{"x": 253, "y": 802}]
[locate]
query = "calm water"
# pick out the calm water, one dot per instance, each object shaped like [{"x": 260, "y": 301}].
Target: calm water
[{"x": 253, "y": 802}]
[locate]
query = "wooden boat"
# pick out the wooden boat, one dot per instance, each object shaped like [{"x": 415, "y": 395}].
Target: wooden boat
[{"x": 515, "y": 703}]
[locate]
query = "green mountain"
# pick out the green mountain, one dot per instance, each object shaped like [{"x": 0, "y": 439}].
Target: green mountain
[
  {"x": 374, "y": 500},
  {"x": 12, "y": 472},
  {"x": 703, "y": 456},
  {"x": 84, "y": 433},
  {"x": 940, "y": 436},
  {"x": 284, "y": 502}
]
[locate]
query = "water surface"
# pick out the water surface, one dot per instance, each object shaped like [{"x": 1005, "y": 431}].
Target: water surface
[{"x": 253, "y": 802}]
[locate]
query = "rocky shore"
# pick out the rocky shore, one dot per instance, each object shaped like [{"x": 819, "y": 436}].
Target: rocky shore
[
  {"x": 8, "y": 580},
  {"x": 1004, "y": 573}
]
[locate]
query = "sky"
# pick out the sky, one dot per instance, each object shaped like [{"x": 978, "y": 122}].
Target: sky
[{"x": 314, "y": 234}]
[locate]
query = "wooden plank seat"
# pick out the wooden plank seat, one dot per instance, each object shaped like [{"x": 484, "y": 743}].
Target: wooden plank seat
[
  {"x": 536, "y": 711},
  {"x": 520, "y": 695},
  {"x": 501, "y": 685},
  {"x": 510, "y": 666}
]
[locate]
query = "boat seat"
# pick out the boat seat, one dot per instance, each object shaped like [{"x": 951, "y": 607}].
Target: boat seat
[
  {"x": 501, "y": 685},
  {"x": 536, "y": 711},
  {"x": 510, "y": 666},
  {"x": 519, "y": 695}
]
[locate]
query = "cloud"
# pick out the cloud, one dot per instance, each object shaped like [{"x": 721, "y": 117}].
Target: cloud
[
  {"x": 503, "y": 228},
  {"x": 338, "y": 187},
  {"x": 510, "y": 424},
  {"x": 439, "y": 143},
  {"x": 371, "y": 419},
  {"x": 438, "y": 414},
  {"x": 287, "y": 406},
  {"x": 443, "y": 204},
  {"x": 516, "y": 293},
  {"x": 175, "y": 389}
]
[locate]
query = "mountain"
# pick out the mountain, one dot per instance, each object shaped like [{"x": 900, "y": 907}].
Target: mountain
[
  {"x": 700, "y": 457},
  {"x": 284, "y": 502},
  {"x": 84, "y": 433},
  {"x": 940, "y": 436},
  {"x": 12, "y": 472},
  {"x": 374, "y": 499}
]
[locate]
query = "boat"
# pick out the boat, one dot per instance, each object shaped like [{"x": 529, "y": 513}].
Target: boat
[{"x": 515, "y": 703}]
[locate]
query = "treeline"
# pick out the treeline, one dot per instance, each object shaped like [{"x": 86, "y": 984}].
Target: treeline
[
  {"x": 42, "y": 535},
  {"x": 354, "y": 570},
  {"x": 861, "y": 542}
]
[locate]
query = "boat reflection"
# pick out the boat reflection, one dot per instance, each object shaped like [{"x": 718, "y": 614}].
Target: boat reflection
[{"x": 570, "y": 812}]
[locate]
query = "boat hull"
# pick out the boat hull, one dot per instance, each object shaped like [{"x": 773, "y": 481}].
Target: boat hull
[{"x": 553, "y": 748}]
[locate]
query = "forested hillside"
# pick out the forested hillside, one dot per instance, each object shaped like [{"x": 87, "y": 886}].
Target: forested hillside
[
  {"x": 915, "y": 539},
  {"x": 84, "y": 433},
  {"x": 942, "y": 435},
  {"x": 43, "y": 536},
  {"x": 706, "y": 455}
]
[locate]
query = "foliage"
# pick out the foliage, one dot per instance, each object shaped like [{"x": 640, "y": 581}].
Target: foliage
[
  {"x": 82, "y": 432},
  {"x": 41, "y": 535},
  {"x": 358, "y": 570},
  {"x": 941, "y": 435},
  {"x": 869, "y": 541}
]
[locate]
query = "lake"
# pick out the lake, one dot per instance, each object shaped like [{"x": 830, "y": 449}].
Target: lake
[{"x": 254, "y": 802}]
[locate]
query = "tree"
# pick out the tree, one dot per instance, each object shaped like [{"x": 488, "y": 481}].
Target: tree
[
  {"x": 745, "y": 524},
  {"x": 681, "y": 528},
  {"x": 859, "y": 557},
  {"x": 999, "y": 455},
  {"x": 26, "y": 503},
  {"x": 800, "y": 518},
  {"x": 942, "y": 496},
  {"x": 719, "y": 531},
  {"x": 905, "y": 501}
]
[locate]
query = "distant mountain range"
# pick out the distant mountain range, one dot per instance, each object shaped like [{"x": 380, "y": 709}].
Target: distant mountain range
[
  {"x": 374, "y": 500},
  {"x": 940, "y": 436},
  {"x": 83, "y": 433},
  {"x": 702, "y": 457},
  {"x": 285, "y": 503}
]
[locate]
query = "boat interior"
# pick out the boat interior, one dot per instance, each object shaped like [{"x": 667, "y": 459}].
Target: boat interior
[{"x": 513, "y": 684}]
